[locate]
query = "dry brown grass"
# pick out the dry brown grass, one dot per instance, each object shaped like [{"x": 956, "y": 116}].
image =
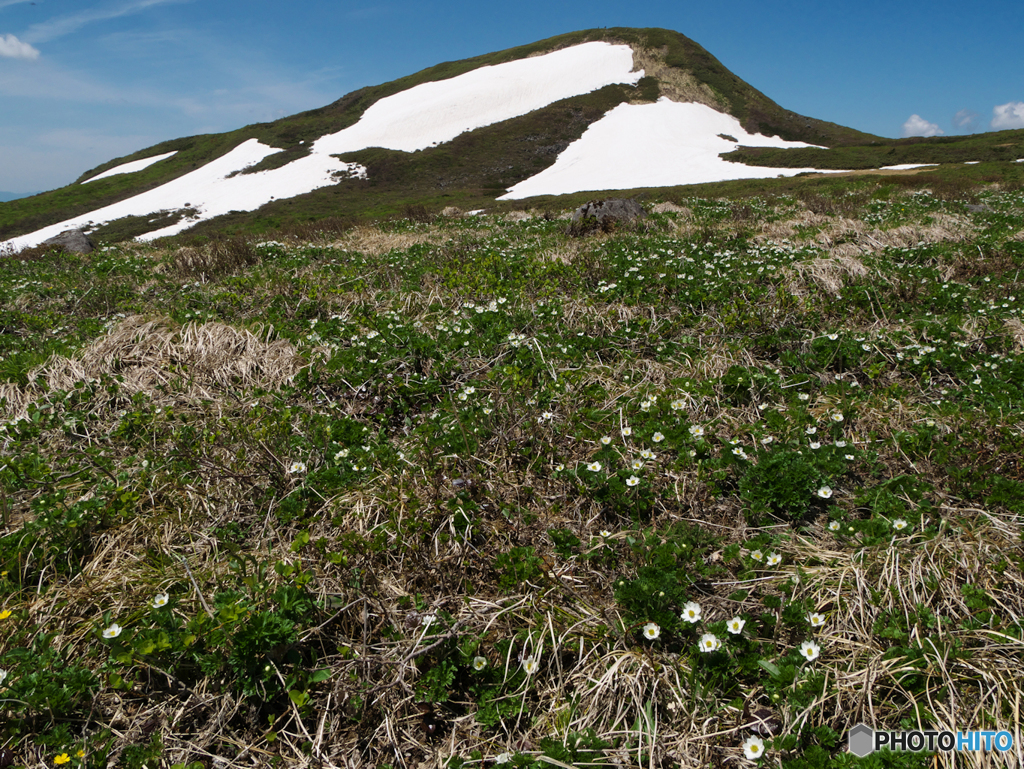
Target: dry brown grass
[
  {"x": 850, "y": 237},
  {"x": 375, "y": 241},
  {"x": 164, "y": 361},
  {"x": 829, "y": 274}
]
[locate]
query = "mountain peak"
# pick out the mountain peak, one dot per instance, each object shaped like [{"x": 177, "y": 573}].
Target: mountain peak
[{"x": 593, "y": 110}]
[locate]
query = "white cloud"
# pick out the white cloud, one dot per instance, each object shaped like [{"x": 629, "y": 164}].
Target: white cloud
[
  {"x": 965, "y": 119},
  {"x": 65, "y": 25},
  {"x": 918, "y": 126},
  {"x": 13, "y": 48},
  {"x": 1009, "y": 115}
]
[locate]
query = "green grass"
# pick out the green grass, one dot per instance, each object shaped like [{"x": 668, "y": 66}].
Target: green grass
[{"x": 429, "y": 481}]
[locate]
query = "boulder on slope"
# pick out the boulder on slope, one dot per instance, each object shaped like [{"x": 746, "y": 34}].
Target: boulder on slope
[{"x": 75, "y": 241}]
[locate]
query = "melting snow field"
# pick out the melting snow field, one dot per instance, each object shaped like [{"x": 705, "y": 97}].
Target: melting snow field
[
  {"x": 132, "y": 167},
  {"x": 652, "y": 145}
]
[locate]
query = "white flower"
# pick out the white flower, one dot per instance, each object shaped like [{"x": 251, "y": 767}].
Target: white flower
[
  {"x": 161, "y": 599},
  {"x": 833, "y": 337},
  {"x": 825, "y": 492},
  {"x": 753, "y": 746},
  {"x": 605, "y": 440},
  {"x": 530, "y": 665},
  {"x": 3, "y": 676},
  {"x": 479, "y": 663},
  {"x": 605, "y": 533},
  {"x": 647, "y": 454},
  {"x": 899, "y": 524},
  {"x": 691, "y": 612},
  {"x": 645, "y": 405},
  {"x": 738, "y": 451},
  {"x": 632, "y": 480},
  {"x": 627, "y": 431},
  {"x": 710, "y": 643},
  {"x": 811, "y": 430},
  {"x": 833, "y": 526},
  {"x": 547, "y": 416},
  {"x": 502, "y": 758},
  {"x": 757, "y": 555},
  {"x": 810, "y": 650},
  {"x": 297, "y": 467},
  {"x": 815, "y": 445},
  {"x": 816, "y": 620},
  {"x": 594, "y": 467},
  {"x": 657, "y": 437},
  {"x": 841, "y": 444},
  {"x": 559, "y": 467},
  {"x": 113, "y": 631},
  {"x": 849, "y": 457},
  {"x": 803, "y": 396},
  {"x": 774, "y": 559},
  {"x": 696, "y": 431},
  {"x": 637, "y": 464},
  {"x": 651, "y": 631},
  {"x": 341, "y": 455},
  {"x": 735, "y": 625},
  {"x": 677, "y": 405},
  {"x": 767, "y": 439},
  {"x": 838, "y": 417}
]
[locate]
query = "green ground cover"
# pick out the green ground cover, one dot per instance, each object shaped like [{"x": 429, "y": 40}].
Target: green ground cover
[{"x": 466, "y": 490}]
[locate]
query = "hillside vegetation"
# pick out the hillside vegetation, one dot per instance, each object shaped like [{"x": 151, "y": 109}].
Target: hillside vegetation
[
  {"x": 478, "y": 165},
  {"x": 464, "y": 490}
]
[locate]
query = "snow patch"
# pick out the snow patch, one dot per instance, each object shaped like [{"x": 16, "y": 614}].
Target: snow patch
[
  {"x": 437, "y": 112},
  {"x": 907, "y": 166},
  {"x": 652, "y": 145},
  {"x": 132, "y": 167}
]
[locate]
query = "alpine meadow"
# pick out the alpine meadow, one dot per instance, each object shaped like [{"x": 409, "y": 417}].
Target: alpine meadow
[{"x": 348, "y": 445}]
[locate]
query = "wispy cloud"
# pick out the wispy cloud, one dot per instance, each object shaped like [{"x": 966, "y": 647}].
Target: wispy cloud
[
  {"x": 13, "y": 48},
  {"x": 1007, "y": 116},
  {"x": 918, "y": 126},
  {"x": 965, "y": 119},
  {"x": 60, "y": 26},
  {"x": 5, "y": 3}
]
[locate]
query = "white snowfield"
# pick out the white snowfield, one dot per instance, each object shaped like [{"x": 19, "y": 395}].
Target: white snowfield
[
  {"x": 437, "y": 112},
  {"x": 907, "y": 166},
  {"x": 132, "y": 167},
  {"x": 651, "y": 145}
]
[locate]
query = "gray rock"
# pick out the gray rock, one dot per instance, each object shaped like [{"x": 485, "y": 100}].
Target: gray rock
[
  {"x": 611, "y": 210},
  {"x": 75, "y": 241}
]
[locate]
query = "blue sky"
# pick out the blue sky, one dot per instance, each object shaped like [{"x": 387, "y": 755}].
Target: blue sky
[{"x": 84, "y": 81}]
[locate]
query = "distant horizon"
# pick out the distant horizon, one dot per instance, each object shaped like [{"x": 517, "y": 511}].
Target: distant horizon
[
  {"x": 7, "y": 197},
  {"x": 83, "y": 82}
]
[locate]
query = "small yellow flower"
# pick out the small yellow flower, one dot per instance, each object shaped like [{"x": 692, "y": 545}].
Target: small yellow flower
[
  {"x": 80, "y": 753},
  {"x": 5, "y": 614},
  {"x": 63, "y": 758}
]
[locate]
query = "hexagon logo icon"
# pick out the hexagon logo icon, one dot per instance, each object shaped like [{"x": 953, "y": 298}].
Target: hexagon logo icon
[{"x": 861, "y": 740}]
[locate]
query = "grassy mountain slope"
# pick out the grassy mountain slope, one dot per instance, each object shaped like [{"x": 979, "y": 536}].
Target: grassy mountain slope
[{"x": 677, "y": 67}]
